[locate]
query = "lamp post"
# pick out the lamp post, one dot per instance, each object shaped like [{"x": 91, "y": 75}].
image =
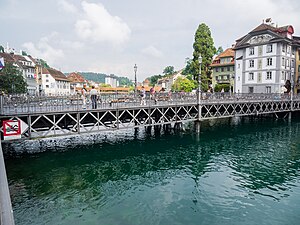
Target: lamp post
[
  {"x": 231, "y": 76},
  {"x": 135, "y": 82},
  {"x": 199, "y": 88}
]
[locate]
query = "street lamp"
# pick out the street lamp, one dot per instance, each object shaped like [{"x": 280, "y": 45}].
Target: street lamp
[
  {"x": 135, "y": 83},
  {"x": 231, "y": 76},
  {"x": 199, "y": 90},
  {"x": 199, "y": 79}
]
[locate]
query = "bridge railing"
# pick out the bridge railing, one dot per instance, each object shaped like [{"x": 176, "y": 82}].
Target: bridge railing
[{"x": 13, "y": 104}]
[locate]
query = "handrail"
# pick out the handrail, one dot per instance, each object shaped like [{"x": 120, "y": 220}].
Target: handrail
[{"x": 6, "y": 212}]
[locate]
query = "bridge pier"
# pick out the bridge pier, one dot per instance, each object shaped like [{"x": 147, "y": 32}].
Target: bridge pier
[{"x": 197, "y": 127}]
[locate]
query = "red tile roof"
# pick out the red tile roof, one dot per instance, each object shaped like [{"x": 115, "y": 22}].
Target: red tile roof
[
  {"x": 228, "y": 53},
  {"x": 57, "y": 75},
  {"x": 75, "y": 78}
]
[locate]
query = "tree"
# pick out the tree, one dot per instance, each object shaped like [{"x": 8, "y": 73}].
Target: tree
[
  {"x": 220, "y": 50},
  {"x": 169, "y": 70},
  {"x": 219, "y": 87},
  {"x": 44, "y": 63},
  {"x": 204, "y": 46},
  {"x": 182, "y": 83},
  {"x": 187, "y": 71},
  {"x": 153, "y": 79},
  {"x": 11, "y": 80}
]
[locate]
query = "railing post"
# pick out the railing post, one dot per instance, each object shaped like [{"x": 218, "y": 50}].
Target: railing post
[{"x": 1, "y": 103}]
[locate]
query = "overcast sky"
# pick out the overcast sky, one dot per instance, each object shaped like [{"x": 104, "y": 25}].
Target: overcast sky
[{"x": 110, "y": 36}]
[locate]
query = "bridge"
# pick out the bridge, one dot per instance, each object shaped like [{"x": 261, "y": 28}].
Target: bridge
[{"x": 65, "y": 115}]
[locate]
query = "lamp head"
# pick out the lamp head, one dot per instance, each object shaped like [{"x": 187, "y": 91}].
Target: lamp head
[
  {"x": 135, "y": 67},
  {"x": 200, "y": 58}
]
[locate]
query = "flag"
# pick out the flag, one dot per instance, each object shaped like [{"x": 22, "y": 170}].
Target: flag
[{"x": 1, "y": 63}]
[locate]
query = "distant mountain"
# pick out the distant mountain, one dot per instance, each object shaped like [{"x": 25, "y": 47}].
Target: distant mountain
[
  {"x": 97, "y": 77},
  {"x": 100, "y": 77}
]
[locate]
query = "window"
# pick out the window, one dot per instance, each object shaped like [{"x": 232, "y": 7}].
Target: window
[
  {"x": 251, "y": 76},
  {"x": 282, "y": 75},
  {"x": 287, "y": 63},
  {"x": 222, "y": 69},
  {"x": 47, "y": 75},
  {"x": 47, "y": 80},
  {"x": 283, "y": 48},
  {"x": 269, "y": 48},
  {"x": 217, "y": 69},
  {"x": 269, "y": 75},
  {"x": 251, "y": 51},
  {"x": 251, "y": 63},
  {"x": 283, "y": 62},
  {"x": 228, "y": 68},
  {"x": 288, "y": 49},
  {"x": 268, "y": 89},
  {"x": 299, "y": 68},
  {"x": 269, "y": 61},
  {"x": 239, "y": 66},
  {"x": 251, "y": 89},
  {"x": 47, "y": 86},
  {"x": 217, "y": 77},
  {"x": 292, "y": 63}
]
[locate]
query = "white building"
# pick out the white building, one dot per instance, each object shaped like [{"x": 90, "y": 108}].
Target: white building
[
  {"x": 28, "y": 70},
  {"x": 265, "y": 59},
  {"x": 26, "y": 66},
  {"x": 112, "y": 80},
  {"x": 54, "y": 82},
  {"x": 167, "y": 82}
]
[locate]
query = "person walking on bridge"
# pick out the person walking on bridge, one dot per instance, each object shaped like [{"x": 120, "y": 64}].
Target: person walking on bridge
[
  {"x": 94, "y": 95},
  {"x": 83, "y": 96}
]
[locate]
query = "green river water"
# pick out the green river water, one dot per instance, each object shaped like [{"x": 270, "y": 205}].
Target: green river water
[{"x": 238, "y": 172}]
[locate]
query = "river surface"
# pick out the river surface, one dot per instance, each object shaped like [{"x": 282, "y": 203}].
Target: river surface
[{"x": 238, "y": 172}]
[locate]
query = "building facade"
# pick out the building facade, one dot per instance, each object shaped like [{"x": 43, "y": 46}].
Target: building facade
[
  {"x": 223, "y": 69},
  {"x": 54, "y": 82},
  {"x": 76, "y": 81},
  {"x": 112, "y": 80},
  {"x": 265, "y": 59},
  {"x": 26, "y": 66}
]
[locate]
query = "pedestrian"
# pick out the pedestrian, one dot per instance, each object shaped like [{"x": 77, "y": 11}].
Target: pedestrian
[
  {"x": 94, "y": 95},
  {"x": 143, "y": 96},
  {"x": 83, "y": 96},
  {"x": 222, "y": 93},
  {"x": 152, "y": 94}
]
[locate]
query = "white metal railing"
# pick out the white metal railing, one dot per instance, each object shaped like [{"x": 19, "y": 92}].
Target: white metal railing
[{"x": 13, "y": 104}]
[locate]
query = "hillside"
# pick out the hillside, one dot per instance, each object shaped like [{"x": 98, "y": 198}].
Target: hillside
[{"x": 100, "y": 77}]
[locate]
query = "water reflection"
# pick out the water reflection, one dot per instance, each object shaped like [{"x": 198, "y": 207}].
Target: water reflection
[{"x": 230, "y": 164}]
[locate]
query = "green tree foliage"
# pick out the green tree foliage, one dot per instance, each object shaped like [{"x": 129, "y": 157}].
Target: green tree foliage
[
  {"x": 124, "y": 81},
  {"x": 219, "y": 87},
  {"x": 105, "y": 85},
  {"x": 204, "y": 46},
  {"x": 169, "y": 70},
  {"x": 182, "y": 83},
  {"x": 43, "y": 63},
  {"x": 220, "y": 50},
  {"x": 153, "y": 79},
  {"x": 187, "y": 71},
  {"x": 96, "y": 77},
  {"x": 11, "y": 80}
]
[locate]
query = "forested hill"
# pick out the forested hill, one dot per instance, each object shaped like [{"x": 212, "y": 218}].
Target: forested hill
[
  {"x": 97, "y": 77},
  {"x": 100, "y": 77}
]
